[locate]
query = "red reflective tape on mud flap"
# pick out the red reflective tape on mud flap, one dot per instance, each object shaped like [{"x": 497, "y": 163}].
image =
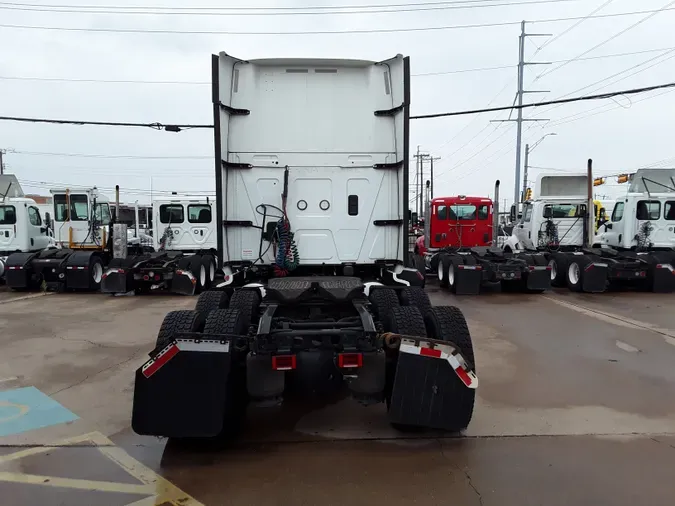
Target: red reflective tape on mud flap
[
  {"x": 454, "y": 358},
  {"x": 204, "y": 345},
  {"x": 155, "y": 364}
]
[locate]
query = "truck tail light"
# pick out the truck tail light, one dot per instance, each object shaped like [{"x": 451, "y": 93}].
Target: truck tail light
[
  {"x": 283, "y": 362},
  {"x": 350, "y": 360}
]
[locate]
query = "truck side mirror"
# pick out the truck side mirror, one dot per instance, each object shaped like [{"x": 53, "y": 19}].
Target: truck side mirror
[
  {"x": 608, "y": 226},
  {"x": 48, "y": 220},
  {"x": 548, "y": 212},
  {"x": 512, "y": 214}
]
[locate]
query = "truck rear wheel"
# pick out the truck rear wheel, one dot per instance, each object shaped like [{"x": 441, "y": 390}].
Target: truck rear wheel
[
  {"x": 415, "y": 296},
  {"x": 176, "y": 322},
  {"x": 454, "y": 262},
  {"x": 210, "y": 268},
  {"x": 211, "y": 300},
  {"x": 95, "y": 272},
  {"x": 248, "y": 302},
  {"x": 408, "y": 321},
  {"x": 442, "y": 270},
  {"x": 382, "y": 300},
  {"x": 575, "y": 272},
  {"x": 558, "y": 264},
  {"x": 199, "y": 272},
  {"x": 447, "y": 323}
]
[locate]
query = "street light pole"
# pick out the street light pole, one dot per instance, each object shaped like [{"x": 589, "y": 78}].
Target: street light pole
[{"x": 527, "y": 159}]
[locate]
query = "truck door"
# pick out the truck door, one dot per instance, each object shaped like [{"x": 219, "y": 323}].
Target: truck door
[
  {"x": 200, "y": 226},
  {"x": 651, "y": 228},
  {"x": 38, "y": 236},
  {"x": 7, "y": 228},
  {"x": 522, "y": 230},
  {"x": 171, "y": 227},
  {"x": 612, "y": 232}
]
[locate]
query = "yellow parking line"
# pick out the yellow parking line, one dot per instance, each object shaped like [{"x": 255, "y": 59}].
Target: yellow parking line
[
  {"x": 159, "y": 490},
  {"x": 99, "y": 486}
]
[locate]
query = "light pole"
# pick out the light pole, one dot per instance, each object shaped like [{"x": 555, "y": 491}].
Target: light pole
[{"x": 527, "y": 158}]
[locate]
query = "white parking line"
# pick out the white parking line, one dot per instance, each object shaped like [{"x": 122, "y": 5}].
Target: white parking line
[
  {"x": 667, "y": 334},
  {"x": 26, "y": 297}
]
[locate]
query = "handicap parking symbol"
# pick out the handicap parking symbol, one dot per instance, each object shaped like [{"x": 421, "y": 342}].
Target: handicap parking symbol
[{"x": 24, "y": 409}]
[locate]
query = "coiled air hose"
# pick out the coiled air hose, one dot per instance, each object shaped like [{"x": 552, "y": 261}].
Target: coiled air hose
[{"x": 287, "y": 258}]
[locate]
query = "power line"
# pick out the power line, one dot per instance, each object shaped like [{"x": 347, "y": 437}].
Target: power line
[
  {"x": 572, "y": 27},
  {"x": 177, "y": 128},
  {"x": 154, "y": 126},
  {"x": 121, "y": 10},
  {"x": 547, "y": 102},
  {"x": 613, "y": 76},
  {"x": 204, "y": 8},
  {"x": 651, "y": 14},
  {"x": 328, "y": 32},
  {"x": 425, "y": 74},
  {"x": 95, "y": 155}
]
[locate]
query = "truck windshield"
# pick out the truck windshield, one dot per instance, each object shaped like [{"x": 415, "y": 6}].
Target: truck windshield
[
  {"x": 102, "y": 214},
  {"x": 462, "y": 212},
  {"x": 171, "y": 213},
  {"x": 7, "y": 215},
  {"x": 566, "y": 210},
  {"x": 79, "y": 208}
]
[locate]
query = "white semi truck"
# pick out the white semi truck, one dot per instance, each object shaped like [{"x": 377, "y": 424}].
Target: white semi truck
[
  {"x": 311, "y": 169},
  {"x": 184, "y": 259},
  {"x": 23, "y": 228},
  {"x": 66, "y": 252},
  {"x": 634, "y": 248}
]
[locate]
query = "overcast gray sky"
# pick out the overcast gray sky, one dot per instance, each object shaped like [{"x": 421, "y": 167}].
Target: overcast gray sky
[{"x": 619, "y": 135}]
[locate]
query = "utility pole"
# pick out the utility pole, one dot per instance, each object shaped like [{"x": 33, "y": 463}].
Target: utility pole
[
  {"x": 419, "y": 186},
  {"x": 519, "y": 99},
  {"x": 2, "y": 167},
  {"x": 525, "y": 165},
  {"x": 431, "y": 175}
]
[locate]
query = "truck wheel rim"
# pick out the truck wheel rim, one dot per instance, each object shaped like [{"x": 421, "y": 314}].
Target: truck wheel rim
[
  {"x": 212, "y": 271},
  {"x": 574, "y": 273},
  {"x": 451, "y": 274},
  {"x": 97, "y": 273},
  {"x": 554, "y": 269},
  {"x": 202, "y": 275},
  {"x": 440, "y": 271}
]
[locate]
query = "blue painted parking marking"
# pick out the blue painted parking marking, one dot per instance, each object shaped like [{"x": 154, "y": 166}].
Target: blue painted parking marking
[{"x": 24, "y": 409}]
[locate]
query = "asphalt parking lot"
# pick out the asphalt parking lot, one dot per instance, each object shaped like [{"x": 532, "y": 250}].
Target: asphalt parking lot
[{"x": 575, "y": 406}]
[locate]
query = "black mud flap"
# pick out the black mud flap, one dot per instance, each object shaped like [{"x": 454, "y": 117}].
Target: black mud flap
[
  {"x": 427, "y": 387},
  {"x": 468, "y": 279},
  {"x": 18, "y": 270},
  {"x": 663, "y": 278},
  {"x": 594, "y": 279},
  {"x": 183, "y": 282},
  {"x": 539, "y": 278},
  {"x": 114, "y": 281},
  {"x": 181, "y": 392}
]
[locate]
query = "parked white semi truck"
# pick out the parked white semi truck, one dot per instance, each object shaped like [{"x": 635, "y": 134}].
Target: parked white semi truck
[
  {"x": 184, "y": 259},
  {"x": 634, "y": 248},
  {"x": 311, "y": 169},
  {"x": 23, "y": 228},
  {"x": 80, "y": 227}
]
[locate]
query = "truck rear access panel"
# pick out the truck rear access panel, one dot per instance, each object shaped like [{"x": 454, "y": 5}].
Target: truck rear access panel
[{"x": 329, "y": 134}]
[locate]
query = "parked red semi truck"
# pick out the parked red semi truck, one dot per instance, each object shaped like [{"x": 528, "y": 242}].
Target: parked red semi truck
[{"x": 460, "y": 246}]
